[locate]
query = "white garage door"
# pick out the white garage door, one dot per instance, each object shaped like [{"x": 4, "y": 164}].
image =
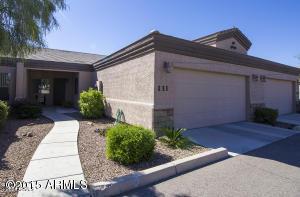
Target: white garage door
[
  {"x": 205, "y": 98},
  {"x": 279, "y": 95}
]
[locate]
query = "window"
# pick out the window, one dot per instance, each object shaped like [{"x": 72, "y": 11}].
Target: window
[
  {"x": 4, "y": 86},
  {"x": 4, "y": 79},
  {"x": 44, "y": 86}
]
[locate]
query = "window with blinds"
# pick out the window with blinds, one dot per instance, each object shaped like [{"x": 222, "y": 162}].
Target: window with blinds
[
  {"x": 4, "y": 86},
  {"x": 4, "y": 80}
]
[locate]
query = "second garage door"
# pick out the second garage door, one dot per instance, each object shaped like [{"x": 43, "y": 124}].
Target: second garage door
[
  {"x": 279, "y": 95},
  {"x": 206, "y": 98}
]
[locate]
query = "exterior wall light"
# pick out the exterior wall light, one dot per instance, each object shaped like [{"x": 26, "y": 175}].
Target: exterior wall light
[
  {"x": 262, "y": 78},
  {"x": 168, "y": 67},
  {"x": 99, "y": 86},
  {"x": 255, "y": 77},
  {"x": 8, "y": 77}
]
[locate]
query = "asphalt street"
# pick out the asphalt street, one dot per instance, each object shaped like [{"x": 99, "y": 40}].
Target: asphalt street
[{"x": 272, "y": 170}]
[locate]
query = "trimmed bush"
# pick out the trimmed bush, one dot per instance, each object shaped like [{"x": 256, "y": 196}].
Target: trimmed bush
[
  {"x": 265, "y": 115},
  {"x": 28, "y": 111},
  {"x": 3, "y": 112},
  {"x": 129, "y": 144},
  {"x": 22, "y": 109},
  {"x": 91, "y": 104}
]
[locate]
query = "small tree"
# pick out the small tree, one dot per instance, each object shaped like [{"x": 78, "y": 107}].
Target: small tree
[
  {"x": 23, "y": 24},
  {"x": 91, "y": 104}
]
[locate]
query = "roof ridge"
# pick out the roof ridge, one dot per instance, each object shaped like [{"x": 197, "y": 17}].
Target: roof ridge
[
  {"x": 224, "y": 34},
  {"x": 72, "y": 51},
  {"x": 172, "y": 44},
  {"x": 217, "y": 32}
]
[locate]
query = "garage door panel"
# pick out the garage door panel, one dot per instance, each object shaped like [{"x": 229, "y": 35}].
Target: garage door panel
[
  {"x": 205, "y": 98},
  {"x": 279, "y": 95}
]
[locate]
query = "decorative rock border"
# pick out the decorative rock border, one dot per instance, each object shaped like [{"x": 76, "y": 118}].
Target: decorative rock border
[{"x": 142, "y": 178}]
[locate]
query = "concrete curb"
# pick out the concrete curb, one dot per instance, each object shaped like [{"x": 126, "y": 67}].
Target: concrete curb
[{"x": 142, "y": 178}]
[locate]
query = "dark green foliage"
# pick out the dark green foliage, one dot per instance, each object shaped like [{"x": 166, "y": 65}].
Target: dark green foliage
[
  {"x": 91, "y": 104},
  {"x": 174, "y": 138},
  {"x": 129, "y": 144},
  {"x": 265, "y": 115},
  {"x": 28, "y": 111},
  {"x": 25, "y": 23},
  {"x": 3, "y": 112},
  {"x": 23, "y": 110}
]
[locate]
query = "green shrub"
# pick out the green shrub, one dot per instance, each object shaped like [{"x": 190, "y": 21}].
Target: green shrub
[
  {"x": 129, "y": 144},
  {"x": 23, "y": 109},
  {"x": 28, "y": 111},
  {"x": 3, "y": 112},
  {"x": 174, "y": 138},
  {"x": 265, "y": 115},
  {"x": 91, "y": 104}
]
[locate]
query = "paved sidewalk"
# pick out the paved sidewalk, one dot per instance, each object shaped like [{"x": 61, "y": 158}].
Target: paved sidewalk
[{"x": 56, "y": 159}]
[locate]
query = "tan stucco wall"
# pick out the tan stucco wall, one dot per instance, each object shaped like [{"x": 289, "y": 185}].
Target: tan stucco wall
[
  {"x": 132, "y": 86},
  {"x": 256, "y": 89},
  {"x": 225, "y": 44},
  {"x": 129, "y": 86},
  {"x": 12, "y": 85},
  {"x": 85, "y": 81},
  {"x": 21, "y": 81}
]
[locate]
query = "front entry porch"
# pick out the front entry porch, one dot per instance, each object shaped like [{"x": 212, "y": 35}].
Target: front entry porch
[{"x": 52, "y": 87}]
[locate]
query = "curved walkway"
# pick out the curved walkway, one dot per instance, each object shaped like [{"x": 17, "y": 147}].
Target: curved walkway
[{"x": 55, "y": 164}]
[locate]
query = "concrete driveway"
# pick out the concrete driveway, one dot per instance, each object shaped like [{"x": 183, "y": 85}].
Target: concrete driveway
[
  {"x": 270, "y": 171},
  {"x": 238, "y": 137}
]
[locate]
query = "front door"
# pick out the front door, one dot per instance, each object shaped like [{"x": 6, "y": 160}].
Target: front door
[{"x": 59, "y": 91}]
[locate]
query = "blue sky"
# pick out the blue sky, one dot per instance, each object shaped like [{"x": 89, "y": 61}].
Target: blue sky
[{"x": 104, "y": 26}]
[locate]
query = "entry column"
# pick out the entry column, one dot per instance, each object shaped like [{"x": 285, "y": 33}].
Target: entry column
[{"x": 21, "y": 81}]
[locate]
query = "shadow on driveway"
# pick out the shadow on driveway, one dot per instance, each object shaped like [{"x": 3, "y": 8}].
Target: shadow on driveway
[{"x": 285, "y": 151}]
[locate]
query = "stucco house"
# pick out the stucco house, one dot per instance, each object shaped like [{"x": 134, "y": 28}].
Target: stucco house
[{"x": 161, "y": 80}]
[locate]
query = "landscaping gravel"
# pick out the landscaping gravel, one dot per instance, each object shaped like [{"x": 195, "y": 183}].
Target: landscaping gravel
[
  {"x": 92, "y": 153},
  {"x": 18, "y": 141}
]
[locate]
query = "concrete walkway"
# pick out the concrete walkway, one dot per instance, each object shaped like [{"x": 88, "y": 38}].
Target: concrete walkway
[
  {"x": 293, "y": 119},
  {"x": 237, "y": 137},
  {"x": 56, "y": 159}
]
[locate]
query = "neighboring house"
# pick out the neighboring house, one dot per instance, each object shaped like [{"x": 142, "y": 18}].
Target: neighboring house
[{"x": 161, "y": 81}]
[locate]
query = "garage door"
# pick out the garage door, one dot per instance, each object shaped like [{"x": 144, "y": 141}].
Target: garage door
[
  {"x": 205, "y": 98},
  {"x": 279, "y": 95}
]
